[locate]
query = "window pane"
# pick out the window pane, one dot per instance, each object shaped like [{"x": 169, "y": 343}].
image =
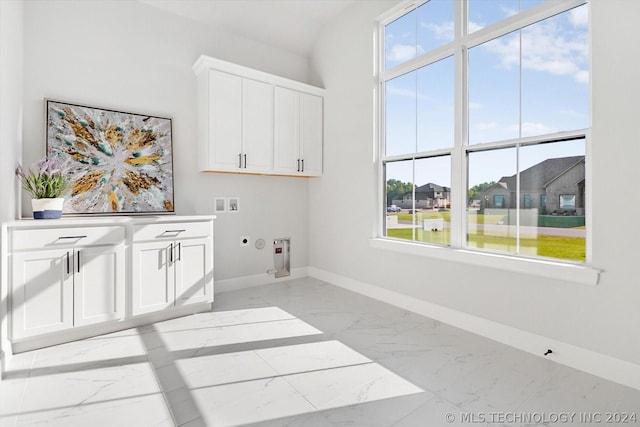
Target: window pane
[
  {"x": 494, "y": 90},
  {"x": 400, "y": 115},
  {"x": 400, "y": 40},
  {"x": 399, "y": 195},
  {"x": 552, "y": 57},
  {"x": 483, "y": 13},
  {"x": 555, "y": 74},
  {"x": 435, "y": 24},
  {"x": 433, "y": 200},
  {"x": 492, "y": 191},
  {"x": 554, "y": 174},
  {"x": 421, "y": 30},
  {"x": 435, "y": 105},
  {"x": 419, "y": 212},
  {"x": 550, "y": 215}
]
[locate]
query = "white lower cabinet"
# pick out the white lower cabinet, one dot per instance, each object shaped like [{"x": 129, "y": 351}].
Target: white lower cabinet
[
  {"x": 174, "y": 268},
  {"x": 74, "y": 285},
  {"x": 193, "y": 271},
  {"x": 98, "y": 282},
  {"x": 152, "y": 277},
  {"x": 65, "y": 277},
  {"x": 42, "y": 294}
]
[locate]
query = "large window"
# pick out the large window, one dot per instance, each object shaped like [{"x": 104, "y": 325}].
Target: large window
[{"x": 484, "y": 119}]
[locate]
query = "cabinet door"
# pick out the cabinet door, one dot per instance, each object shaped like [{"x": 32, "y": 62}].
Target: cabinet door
[
  {"x": 42, "y": 294},
  {"x": 152, "y": 284},
  {"x": 225, "y": 121},
  {"x": 194, "y": 271},
  {"x": 286, "y": 131},
  {"x": 257, "y": 126},
  {"x": 98, "y": 284},
  {"x": 311, "y": 134}
]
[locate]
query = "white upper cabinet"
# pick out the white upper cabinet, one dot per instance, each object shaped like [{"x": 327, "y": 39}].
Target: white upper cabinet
[
  {"x": 225, "y": 121},
  {"x": 240, "y": 124},
  {"x": 287, "y": 131},
  {"x": 298, "y": 133},
  {"x": 257, "y": 126},
  {"x": 254, "y": 122},
  {"x": 311, "y": 134}
]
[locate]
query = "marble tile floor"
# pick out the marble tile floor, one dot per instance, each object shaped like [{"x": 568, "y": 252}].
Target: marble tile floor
[{"x": 302, "y": 353}]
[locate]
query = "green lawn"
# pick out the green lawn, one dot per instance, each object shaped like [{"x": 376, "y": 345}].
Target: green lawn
[
  {"x": 425, "y": 215},
  {"x": 569, "y": 248}
]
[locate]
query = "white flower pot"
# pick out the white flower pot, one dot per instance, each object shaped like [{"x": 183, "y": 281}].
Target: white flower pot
[{"x": 47, "y": 208}]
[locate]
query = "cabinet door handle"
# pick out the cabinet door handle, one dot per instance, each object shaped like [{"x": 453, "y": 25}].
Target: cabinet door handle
[
  {"x": 174, "y": 231},
  {"x": 302, "y": 166},
  {"x": 171, "y": 253},
  {"x": 245, "y": 161},
  {"x": 68, "y": 272},
  {"x": 179, "y": 251},
  {"x": 240, "y": 160},
  {"x": 71, "y": 237},
  {"x": 298, "y": 165},
  {"x": 78, "y": 254}
]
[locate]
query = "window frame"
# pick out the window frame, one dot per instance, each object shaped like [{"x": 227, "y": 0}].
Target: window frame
[{"x": 458, "y": 48}]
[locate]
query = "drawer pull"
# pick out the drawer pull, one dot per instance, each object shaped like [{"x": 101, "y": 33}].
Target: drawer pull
[
  {"x": 174, "y": 231},
  {"x": 71, "y": 237}
]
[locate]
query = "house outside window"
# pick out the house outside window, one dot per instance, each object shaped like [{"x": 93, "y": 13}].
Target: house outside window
[{"x": 481, "y": 107}]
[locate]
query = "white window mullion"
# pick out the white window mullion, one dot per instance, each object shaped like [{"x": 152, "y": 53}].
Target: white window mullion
[
  {"x": 413, "y": 202},
  {"x": 458, "y": 155}
]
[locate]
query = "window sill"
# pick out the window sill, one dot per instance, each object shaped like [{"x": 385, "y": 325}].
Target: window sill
[{"x": 581, "y": 274}]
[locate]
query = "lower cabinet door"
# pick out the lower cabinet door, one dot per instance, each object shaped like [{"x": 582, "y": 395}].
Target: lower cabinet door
[
  {"x": 98, "y": 284},
  {"x": 152, "y": 284},
  {"x": 42, "y": 294},
  {"x": 194, "y": 271}
]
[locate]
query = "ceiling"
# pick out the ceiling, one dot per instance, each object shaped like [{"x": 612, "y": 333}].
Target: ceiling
[{"x": 293, "y": 25}]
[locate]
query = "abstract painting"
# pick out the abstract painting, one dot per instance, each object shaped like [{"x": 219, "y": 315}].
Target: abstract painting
[{"x": 120, "y": 163}]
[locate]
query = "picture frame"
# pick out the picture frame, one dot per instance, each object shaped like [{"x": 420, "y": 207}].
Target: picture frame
[{"x": 120, "y": 163}]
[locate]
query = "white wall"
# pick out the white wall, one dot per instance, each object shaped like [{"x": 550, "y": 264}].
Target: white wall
[
  {"x": 11, "y": 17},
  {"x": 605, "y": 318},
  {"x": 133, "y": 57}
]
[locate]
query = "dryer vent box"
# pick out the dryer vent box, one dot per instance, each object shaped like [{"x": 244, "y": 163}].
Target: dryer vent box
[{"x": 282, "y": 257}]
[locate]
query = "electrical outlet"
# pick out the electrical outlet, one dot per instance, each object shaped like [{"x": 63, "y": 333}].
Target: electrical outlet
[{"x": 245, "y": 241}]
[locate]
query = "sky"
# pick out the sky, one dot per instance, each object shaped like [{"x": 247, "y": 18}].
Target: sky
[{"x": 549, "y": 60}]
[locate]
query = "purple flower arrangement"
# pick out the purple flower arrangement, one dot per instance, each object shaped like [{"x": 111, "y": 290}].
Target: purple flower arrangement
[{"x": 45, "y": 178}]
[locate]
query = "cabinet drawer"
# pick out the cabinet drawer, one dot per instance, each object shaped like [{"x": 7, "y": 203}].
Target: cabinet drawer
[
  {"x": 62, "y": 237},
  {"x": 171, "y": 231}
]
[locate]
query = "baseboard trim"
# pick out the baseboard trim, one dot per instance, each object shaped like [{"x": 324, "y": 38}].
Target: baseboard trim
[
  {"x": 594, "y": 363},
  {"x": 227, "y": 285}
]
